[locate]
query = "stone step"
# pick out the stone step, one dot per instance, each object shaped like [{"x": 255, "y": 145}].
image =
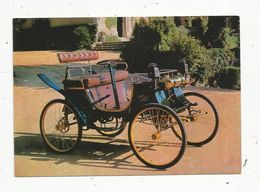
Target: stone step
[
  {"x": 115, "y": 42},
  {"x": 107, "y": 48},
  {"x": 111, "y": 46}
]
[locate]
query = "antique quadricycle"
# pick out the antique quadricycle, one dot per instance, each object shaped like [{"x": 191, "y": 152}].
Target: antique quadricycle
[{"x": 105, "y": 97}]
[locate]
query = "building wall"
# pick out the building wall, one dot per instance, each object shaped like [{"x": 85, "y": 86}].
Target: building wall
[{"x": 102, "y": 27}]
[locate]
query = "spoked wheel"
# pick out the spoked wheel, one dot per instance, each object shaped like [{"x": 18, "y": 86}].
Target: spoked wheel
[
  {"x": 200, "y": 119},
  {"x": 59, "y": 126},
  {"x": 152, "y": 138},
  {"x": 114, "y": 126}
]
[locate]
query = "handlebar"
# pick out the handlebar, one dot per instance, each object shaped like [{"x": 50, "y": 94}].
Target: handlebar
[{"x": 116, "y": 63}]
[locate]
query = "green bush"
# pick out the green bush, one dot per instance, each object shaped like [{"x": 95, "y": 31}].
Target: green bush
[
  {"x": 228, "y": 77},
  {"x": 141, "y": 49},
  {"x": 138, "y": 57},
  {"x": 84, "y": 36},
  {"x": 165, "y": 27},
  {"x": 44, "y": 37},
  {"x": 160, "y": 41},
  {"x": 228, "y": 38},
  {"x": 146, "y": 37},
  {"x": 163, "y": 33},
  {"x": 221, "y": 58},
  {"x": 160, "y": 35},
  {"x": 189, "y": 48}
]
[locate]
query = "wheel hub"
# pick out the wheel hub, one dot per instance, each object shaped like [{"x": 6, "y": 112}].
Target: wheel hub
[
  {"x": 192, "y": 118},
  {"x": 156, "y": 135},
  {"x": 62, "y": 126}
]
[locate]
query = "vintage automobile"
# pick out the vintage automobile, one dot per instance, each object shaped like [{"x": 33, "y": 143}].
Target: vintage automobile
[{"x": 105, "y": 97}]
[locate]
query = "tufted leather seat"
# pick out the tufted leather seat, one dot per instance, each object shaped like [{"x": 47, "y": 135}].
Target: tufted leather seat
[{"x": 77, "y": 56}]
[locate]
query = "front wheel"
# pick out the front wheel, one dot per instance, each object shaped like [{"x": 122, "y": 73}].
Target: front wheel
[
  {"x": 152, "y": 136},
  {"x": 59, "y": 126},
  {"x": 200, "y": 119}
]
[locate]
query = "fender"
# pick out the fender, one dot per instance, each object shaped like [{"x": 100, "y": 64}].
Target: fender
[{"x": 47, "y": 81}]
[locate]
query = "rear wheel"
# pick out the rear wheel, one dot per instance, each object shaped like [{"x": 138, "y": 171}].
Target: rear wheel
[
  {"x": 114, "y": 126},
  {"x": 59, "y": 126},
  {"x": 152, "y": 138}
]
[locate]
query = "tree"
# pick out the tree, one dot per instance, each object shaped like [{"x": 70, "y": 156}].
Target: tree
[{"x": 17, "y": 32}]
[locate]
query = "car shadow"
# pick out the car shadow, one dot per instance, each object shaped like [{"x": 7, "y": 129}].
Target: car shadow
[{"x": 93, "y": 151}]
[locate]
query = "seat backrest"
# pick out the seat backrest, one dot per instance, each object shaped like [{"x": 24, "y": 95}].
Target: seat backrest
[
  {"x": 103, "y": 78},
  {"x": 77, "y": 56},
  {"x": 99, "y": 89}
]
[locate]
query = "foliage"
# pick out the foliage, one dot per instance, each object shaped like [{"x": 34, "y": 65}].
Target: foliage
[
  {"x": 84, "y": 36},
  {"x": 140, "y": 50},
  {"x": 210, "y": 45},
  {"x": 137, "y": 56},
  {"x": 160, "y": 41},
  {"x": 204, "y": 23},
  {"x": 163, "y": 33},
  {"x": 41, "y": 32},
  {"x": 221, "y": 58},
  {"x": 198, "y": 26},
  {"x": 185, "y": 46},
  {"x": 17, "y": 32},
  {"x": 228, "y": 77},
  {"x": 235, "y": 24},
  {"x": 228, "y": 38},
  {"x": 111, "y": 22},
  {"x": 165, "y": 27},
  {"x": 146, "y": 37},
  {"x": 38, "y": 37},
  {"x": 41, "y": 36},
  {"x": 215, "y": 25},
  {"x": 17, "y": 25},
  {"x": 188, "y": 21}
]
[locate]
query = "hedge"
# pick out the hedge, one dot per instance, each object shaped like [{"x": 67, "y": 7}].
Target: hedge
[
  {"x": 229, "y": 78},
  {"x": 56, "y": 38}
]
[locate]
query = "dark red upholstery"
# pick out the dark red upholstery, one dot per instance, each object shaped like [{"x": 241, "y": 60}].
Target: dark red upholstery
[
  {"x": 78, "y": 56},
  {"x": 103, "y": 78},
  {"x": 109, "y": 103}
]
